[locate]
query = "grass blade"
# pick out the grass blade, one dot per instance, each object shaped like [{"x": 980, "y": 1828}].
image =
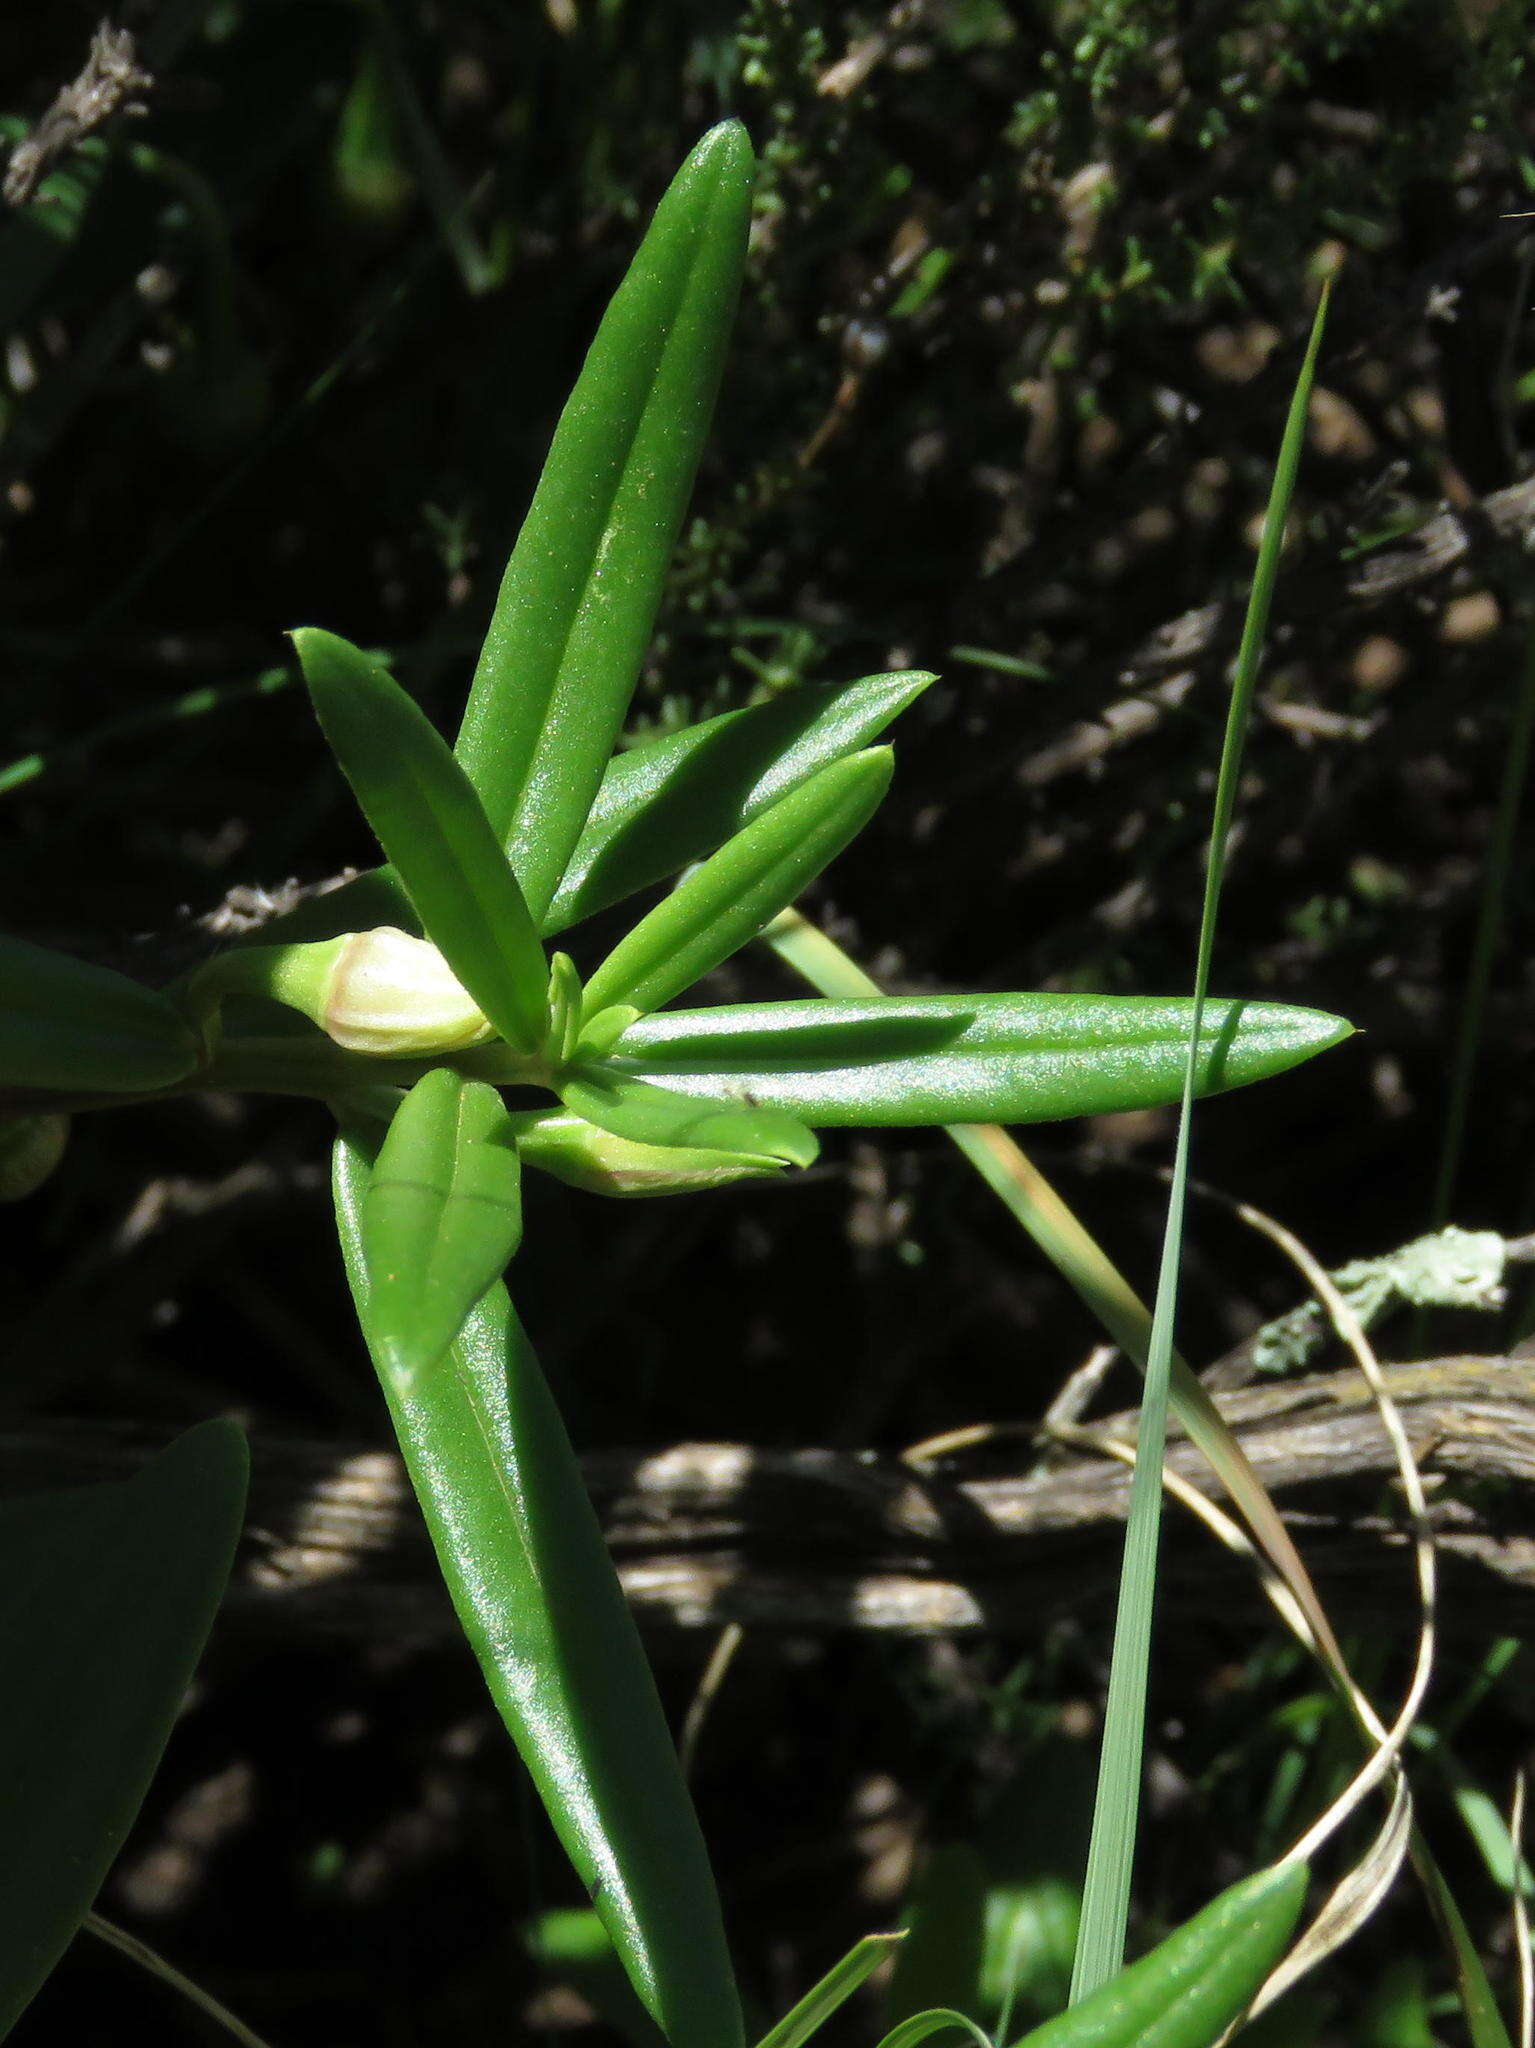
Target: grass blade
[
  {"x": 834, "y": 1990},
  {"x": 1111, "y": 1854}
]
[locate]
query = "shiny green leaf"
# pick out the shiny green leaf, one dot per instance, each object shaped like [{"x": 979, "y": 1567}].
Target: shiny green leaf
[
  {"x": 579, "y": 597},
  {"x": 524, "y": 1560},
  {"x": 674, "y": 800},
  {"x": 107, "y": 1594},
  {"x": 1191, "y": 1987},
  {"x": 66, "y": 1024},
  {"x": 430, "y": 823},
  {"x": 966, "y": 1059},
  {"x": 834, "y": 1990},
  {"x": 727, "y": 900},
  {"x": 648, "y": 1115},
  {"x": 442, "y": 1217}
]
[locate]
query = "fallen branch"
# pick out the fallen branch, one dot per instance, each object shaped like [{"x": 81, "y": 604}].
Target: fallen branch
[{"x": 814, "y": 1541}]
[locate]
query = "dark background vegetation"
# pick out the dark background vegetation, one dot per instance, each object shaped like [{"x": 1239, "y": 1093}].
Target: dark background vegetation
[{"x": 1028, "y": 290}]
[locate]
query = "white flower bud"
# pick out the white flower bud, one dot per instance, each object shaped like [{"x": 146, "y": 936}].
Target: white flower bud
[{"x": 391, "y": 994}]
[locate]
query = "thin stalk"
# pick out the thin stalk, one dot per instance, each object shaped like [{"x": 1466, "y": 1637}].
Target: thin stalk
[
  {"x": 147, "y": 1959},
  {"x": 1489, "y": 933},
  {"x": 190, "y": 704},
  {"x": 1111, "y": 1851}
]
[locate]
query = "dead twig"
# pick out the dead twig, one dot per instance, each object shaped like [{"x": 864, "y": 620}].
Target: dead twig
[{"x": 112, "y": 82}]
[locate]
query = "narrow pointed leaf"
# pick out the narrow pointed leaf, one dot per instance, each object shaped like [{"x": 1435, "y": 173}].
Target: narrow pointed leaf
[
  {"x": 430, "y": 823},
  {"x": 717, "y": 908},
  {"x": 646, "y": 1115},
  {"x": 524, "y": 1560},
  {"x": 923, "y": 2026},
  {"x": 442, "y": 1218},
  {"x": 67, "y": 1024},
  {"x": 107, "y": 1594},
  {"x": 674, "y": 800},
  {"x": 967, "y": 1059},
  {"x": 1188, "y": 1991},
  {"x": 834, "y": 1990},
  {"x": 579, "y": 598}
]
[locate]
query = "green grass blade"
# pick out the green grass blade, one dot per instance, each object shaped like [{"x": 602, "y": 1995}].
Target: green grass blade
[
  {"x": 675, "y": 800},
  {"x": 1111, "y": 1853},
  {"x": 1484, "y": 2023},
  {"x": 439, "y": 187},
  {"x": 579, "y": 597},
  {"x": 442, "y": 1216},
  {"x": 967, "y": 1059},
  {"x": 430, "y": 823},
  {"x": 762, "y": 1136},
  {"x": 922, "y": 2026},
  {"x": 716, "y": 908},
  {"x": 107, "y": 1594},
  {"x": 1484, "y": 946},
  {"x": 524, "y": 1560},
  {"x": 834, "y": 1990}
]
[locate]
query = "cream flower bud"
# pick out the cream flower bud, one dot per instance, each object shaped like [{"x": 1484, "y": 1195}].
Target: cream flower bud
[
  {"x": 389, "y": 993},
  {"x": 379, "y": 992}
]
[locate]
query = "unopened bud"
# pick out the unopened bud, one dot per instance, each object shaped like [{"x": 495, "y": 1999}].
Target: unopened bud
[
  {"x": 378, "y": 992},
  {"x": 390, "y": 993},
  {"x": 577, "y": 1152}
]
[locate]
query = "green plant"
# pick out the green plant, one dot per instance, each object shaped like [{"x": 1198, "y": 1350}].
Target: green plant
[{"x": 410, "y": 998}]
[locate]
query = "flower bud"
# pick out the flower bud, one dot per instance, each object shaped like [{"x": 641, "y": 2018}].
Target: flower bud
[
  {"x": 389, "y": 993},
  {"x": 30, "y": 1148},
  {"x": 578, "y": 1153}
]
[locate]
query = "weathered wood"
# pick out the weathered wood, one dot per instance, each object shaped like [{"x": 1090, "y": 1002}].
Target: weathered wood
[{"x": 815, "y": 1541}]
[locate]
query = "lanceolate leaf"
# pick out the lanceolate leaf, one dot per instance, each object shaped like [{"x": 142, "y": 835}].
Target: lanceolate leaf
[
  {"x": 674, "y": 800},
  {"x": 660, "y": 805},
  {"x": 1187, "y": 1992},
  {"x": 442, "y": 1217},
  {"x": 580, "y": 593},
  {"x": 966, "y": 1059},
  {"x": 524, "y": 1560},
  {"x": 431, "y": 824},
  {"x": 646, "y": 1115},
  {"x": 107, "y": 1594},
  {"x": 719, "y": 906},
  {"x": 65, "y": 1024}
]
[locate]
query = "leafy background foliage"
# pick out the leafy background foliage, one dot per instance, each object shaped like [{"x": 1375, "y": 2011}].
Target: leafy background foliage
[{"x": 1025, "y": 304}]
